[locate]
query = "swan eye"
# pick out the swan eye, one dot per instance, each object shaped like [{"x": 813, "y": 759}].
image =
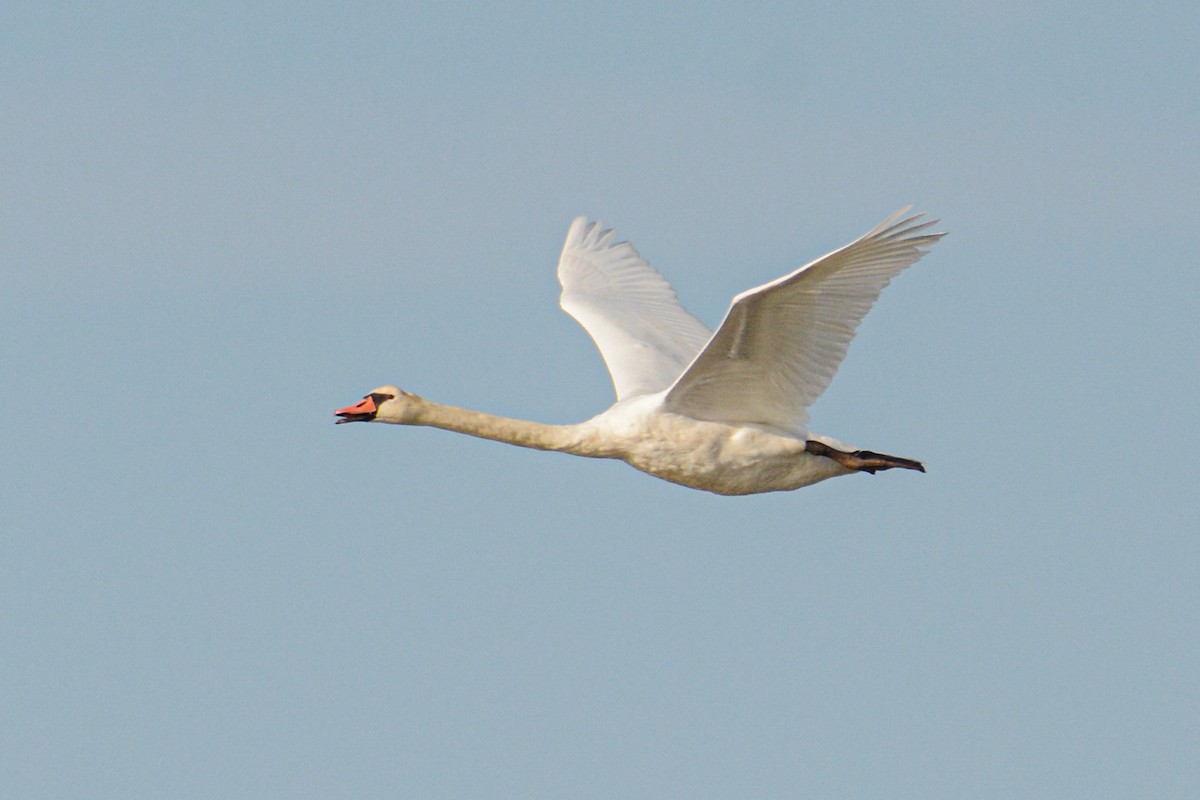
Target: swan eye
[{"x": 380, "y": 397}]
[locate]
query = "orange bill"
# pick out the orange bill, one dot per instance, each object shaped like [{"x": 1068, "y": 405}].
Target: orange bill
[{"x": 362, "y": 410}]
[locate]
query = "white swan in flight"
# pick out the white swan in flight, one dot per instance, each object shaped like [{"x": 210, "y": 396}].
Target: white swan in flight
[{"x": 726, "y": 412}]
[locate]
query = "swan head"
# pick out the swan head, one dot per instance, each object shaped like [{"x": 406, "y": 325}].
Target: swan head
[{"x": 385, "y": 404}]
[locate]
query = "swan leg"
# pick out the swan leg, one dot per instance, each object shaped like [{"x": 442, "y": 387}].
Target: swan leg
[{"x": 861, "y": 460}]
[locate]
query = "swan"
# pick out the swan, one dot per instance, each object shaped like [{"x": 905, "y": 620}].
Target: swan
[{"x": 725, "y": 412}]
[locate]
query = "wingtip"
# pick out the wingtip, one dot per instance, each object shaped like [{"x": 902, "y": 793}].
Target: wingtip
[
  {"x": 913, "y": 227},
  {"x": 577, "y": 227},
  {"x": 577, "y": 233}
]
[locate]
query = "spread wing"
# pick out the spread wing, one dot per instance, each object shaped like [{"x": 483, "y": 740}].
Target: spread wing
[
  {"x": 781, "y": 343},
  {"x": 630, "y": 311}
]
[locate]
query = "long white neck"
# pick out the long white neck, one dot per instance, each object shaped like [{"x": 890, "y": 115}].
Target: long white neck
[{"x": 540, "y": 436}]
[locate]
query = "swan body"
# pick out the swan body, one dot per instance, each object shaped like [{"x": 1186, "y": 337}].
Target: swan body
[{"x": 726, "y": 412}]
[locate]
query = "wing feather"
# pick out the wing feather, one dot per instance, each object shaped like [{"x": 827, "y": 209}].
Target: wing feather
[
  {"x": 632, "y": 314},
  {"x": 781, "y": 343}
]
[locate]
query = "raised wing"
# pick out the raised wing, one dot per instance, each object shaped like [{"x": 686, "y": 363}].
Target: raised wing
[
  {"x": 781, "y": 343},
  {"x": 630, "y": 311}
]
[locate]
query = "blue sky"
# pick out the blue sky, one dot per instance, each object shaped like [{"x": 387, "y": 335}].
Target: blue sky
[{"x": 221, "y": 224}]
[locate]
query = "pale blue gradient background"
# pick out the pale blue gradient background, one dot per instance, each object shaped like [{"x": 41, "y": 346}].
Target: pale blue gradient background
[{"x": 218, "y": 225}]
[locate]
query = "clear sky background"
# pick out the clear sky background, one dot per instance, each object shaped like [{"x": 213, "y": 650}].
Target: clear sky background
[{"x": 218, "y": 224}]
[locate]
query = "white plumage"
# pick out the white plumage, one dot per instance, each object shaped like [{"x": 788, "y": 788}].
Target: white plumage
[{"x": 725, "y": 412}]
